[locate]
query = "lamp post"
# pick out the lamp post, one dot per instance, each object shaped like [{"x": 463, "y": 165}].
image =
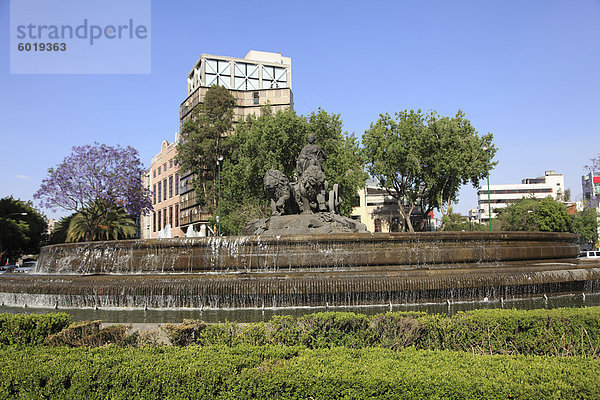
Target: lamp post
[
  {"x": 219, "y": 161},
  {"x": 2, "y": 230},
  {"x": 487, "y": 170}
]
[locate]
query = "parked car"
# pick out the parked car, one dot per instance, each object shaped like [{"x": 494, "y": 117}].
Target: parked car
[
  {"x": 22, "y": 270},
  {"x": 4, "y": 269},
  {"x": 589, "y": 254},
  {"x": 31, "y": 264}
]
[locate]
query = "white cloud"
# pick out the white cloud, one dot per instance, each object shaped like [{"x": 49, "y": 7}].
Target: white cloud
[{"x": 24, "y": 177}]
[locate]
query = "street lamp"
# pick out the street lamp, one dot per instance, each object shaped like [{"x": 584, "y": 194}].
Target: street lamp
[
  {"x": 487, "y": 169},
  {"x": 2, "y": 230},
  {"x": 219, "y": 161}
]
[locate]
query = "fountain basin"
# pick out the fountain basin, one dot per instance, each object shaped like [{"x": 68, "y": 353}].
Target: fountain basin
[
  {"x": 303, "y": 270},
  {"x": 273, "y": 253}
]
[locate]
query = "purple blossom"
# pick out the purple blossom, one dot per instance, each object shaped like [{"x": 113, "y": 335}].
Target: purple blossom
[
  {"x": 96, "y": 173},
  {"x": 594, "y": 166}
]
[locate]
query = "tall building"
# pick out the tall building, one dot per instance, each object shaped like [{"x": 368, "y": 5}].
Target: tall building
[
  {"x": 258, "y": 79},
  {"x": 590, "y": 186},
  {"x": 163, "y": 182},
  {"x": 551, "y": 184}
]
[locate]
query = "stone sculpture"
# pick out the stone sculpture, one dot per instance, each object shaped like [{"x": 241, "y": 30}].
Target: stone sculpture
[
  {"x": 306, "y": 206},
  {"x": 310, "y": 193},
  {"x": 310, "y": 155},
  {"x": 277, "y": 186}
]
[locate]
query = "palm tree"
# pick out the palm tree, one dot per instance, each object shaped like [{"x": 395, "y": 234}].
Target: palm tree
[{"x": 110, "y": 224}]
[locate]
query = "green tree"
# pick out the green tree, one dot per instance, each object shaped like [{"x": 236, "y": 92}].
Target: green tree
[
  {"x": 422, "y": 160},
  {"x": 538, "y": 215},
  {"x": 585, "y": 224},
  {"x": 20, "y": 234},
  {"x": 114, "y": 224},
  {"x": 203, "y": 140},
  {"x": 457, "y": 222},
  {"x": 274, "y": 140}
]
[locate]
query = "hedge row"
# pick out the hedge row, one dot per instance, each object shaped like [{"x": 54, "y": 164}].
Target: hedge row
[
  {"x": 31, "y": 328},
  {"x": 559, "y": 332},
  {"x": 283, "y": 372}
]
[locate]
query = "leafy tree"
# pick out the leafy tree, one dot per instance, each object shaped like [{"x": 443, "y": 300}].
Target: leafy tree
[
  {"x": 274, "y": 141},
  {"x": 203, "y": 140},
  {"x": 457, "y": 222},
  {"x": 585, "y": 224},
  {"x": 92, "y": 175},
  {"x": 423, "y": 160},
  {"x": 531, "y": 214},
  {"x": 20, "y": 234}
]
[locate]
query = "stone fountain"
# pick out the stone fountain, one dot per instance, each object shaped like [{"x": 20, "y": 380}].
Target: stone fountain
[{"x": 305, "y": 254}]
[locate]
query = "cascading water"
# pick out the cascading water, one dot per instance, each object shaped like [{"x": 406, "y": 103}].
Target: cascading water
[{"x": 302, "y": 270}]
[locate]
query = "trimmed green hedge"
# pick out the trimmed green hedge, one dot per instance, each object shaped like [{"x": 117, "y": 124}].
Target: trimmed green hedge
[
  {"x": 31, "y": 328},
  {"x": 283, "y": 372},
  {"x": 558, "y": 332}
]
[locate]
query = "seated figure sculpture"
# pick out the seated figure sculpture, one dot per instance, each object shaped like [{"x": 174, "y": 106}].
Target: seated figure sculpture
[{"x": 311, "y": 154}]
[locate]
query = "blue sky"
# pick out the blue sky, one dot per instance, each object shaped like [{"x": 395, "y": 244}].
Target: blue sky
[{"x": 526, "y": 71}]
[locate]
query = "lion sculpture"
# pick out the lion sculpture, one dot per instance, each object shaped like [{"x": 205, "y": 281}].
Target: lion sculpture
[
  {"x": 278, "y": 189},
  {"x": 311, "y": 190}
]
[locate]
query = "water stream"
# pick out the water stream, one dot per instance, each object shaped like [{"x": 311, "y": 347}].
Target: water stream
[{"x": 256, "y": 315}]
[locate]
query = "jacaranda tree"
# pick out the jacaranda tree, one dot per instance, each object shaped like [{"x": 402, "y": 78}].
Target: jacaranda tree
[{"x": 95, "y": 181}]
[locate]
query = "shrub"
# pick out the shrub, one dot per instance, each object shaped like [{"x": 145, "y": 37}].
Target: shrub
[
  {"x": 267, "y": 372},
  {"x": 31, "y": 328}
]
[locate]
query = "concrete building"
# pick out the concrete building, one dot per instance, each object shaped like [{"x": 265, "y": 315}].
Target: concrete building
[
  {"x": 258, "y": 79},
  {"x": 590, "y": 187},
  {"x": 379, "y": 211},
  {"x": 551, "y": 184},
  {"x": 164, "y": 185}
]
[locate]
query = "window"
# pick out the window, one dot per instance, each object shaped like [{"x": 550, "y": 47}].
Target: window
[
  {"x": 159, "y": 170},
  {"x": 176, "y": 214},
  {"x": 165, "y": 167},
  {"x": 176, "y": 184},
  {"x": 164, "y": 217},
  {"x": 171, "y": 186},
  {"x": 165, "y": 189},
  {"x": 377, "y": 225},
  {"x": 256, "y": 98},
  {"x": 171, "y": 215},
  {"x": 159, "y": 191},
  {"x": 274, "y": 77},
  {"x": 217, "y": 72},
  {"x": 154, "y": 194},
  {"x": 245, "y": 76},
  {"x": 171, "y": 163},
  {"x": 154, "y": 173},
  {"x": 153, "y": 221},
  {"x": 158, "y": 225}
]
